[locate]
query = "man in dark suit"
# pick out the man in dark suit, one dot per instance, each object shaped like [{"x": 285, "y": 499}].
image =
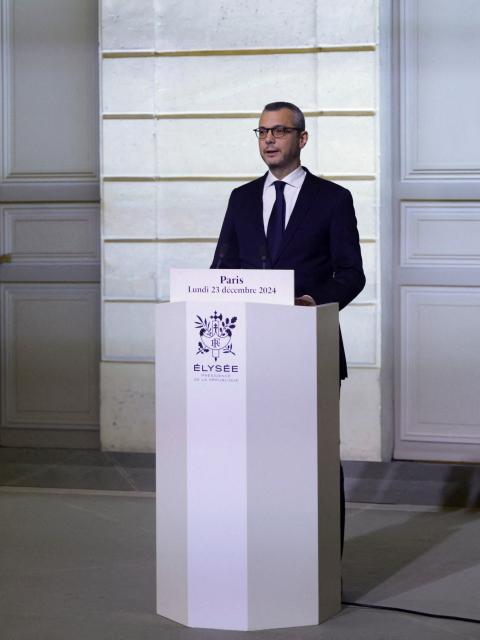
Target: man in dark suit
[{"x": 291, "y": 219}]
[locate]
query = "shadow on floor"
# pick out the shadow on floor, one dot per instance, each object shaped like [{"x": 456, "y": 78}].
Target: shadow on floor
[
  {"x": 461, "y": 487},
  {"x": 77, "y": 469},
  {"x": 409, "y": 548},
  {"x": 416, "y": 483}
]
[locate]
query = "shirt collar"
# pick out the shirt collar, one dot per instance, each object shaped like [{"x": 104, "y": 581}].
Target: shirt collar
[{"x": 294, "y": 179}]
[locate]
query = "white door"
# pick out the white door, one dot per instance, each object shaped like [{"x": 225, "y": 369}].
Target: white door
[
  {"x": 49, "y": 232},
  {"x": 437, "y": 208}
]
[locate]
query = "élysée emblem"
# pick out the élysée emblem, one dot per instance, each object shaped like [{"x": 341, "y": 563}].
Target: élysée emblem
[{"x": 215, "y": 334}]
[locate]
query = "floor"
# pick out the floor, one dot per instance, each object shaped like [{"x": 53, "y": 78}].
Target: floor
[{"x": 77, "y": 559}]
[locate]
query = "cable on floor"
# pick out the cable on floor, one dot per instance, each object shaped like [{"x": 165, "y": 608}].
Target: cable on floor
[{"x": 411, "y": 611}]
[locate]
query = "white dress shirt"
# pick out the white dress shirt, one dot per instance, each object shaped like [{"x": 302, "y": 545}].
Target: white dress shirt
[{"x": 293, "y": 184}]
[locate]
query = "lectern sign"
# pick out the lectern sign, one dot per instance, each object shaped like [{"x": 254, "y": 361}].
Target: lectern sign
[{"x": 271, "y": 286}]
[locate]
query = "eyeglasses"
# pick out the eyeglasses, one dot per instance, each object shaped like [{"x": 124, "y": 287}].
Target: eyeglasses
[{"x": 277, "y": 132}]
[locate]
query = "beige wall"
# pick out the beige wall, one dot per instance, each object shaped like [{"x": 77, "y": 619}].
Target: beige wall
[{"x": 182, "y": 87}]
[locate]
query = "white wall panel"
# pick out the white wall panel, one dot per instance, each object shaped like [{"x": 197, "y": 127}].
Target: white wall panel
[
  {"x": 50, "y": 362},
  {"x": 369, "y": 257},
  {"x": 233, "y": 25},
  {"x": 210, "y": 143},
  {"x": 338, "y": 145},
  {"x": 211, "y": 147},
  {"x": 346, "y": 145},
  {"x": 195, "y": 208},
  {"x": 246, "y": 83},
  {"x": 130, "y": 270},
  {"x": 359, "y": 332},
  {"x": 441, "y": 60},
  {"x": 128, "y": 85},
  {"x": 129, "y": 147},
  {"x": 128, "y": 407},
  {"x": 234, "y": 83},
  {"x": 360, "y": 415},
  {"x": 440, "y": 365},
  {"x": 192, "y": 209},
  {"x": 129, "y": 209},
  {"x": 269, "y": 24},
  {"x": 364, "y": 193},
  {"x": 128, "y": 331},
  {"x": 50, "y": 101},
  {"x": 346, "y": 80},
  {"x": 344, "y": 21},
  {"x": 436, "y": 233},
  {"x": 53, "y": 233},
  {"x": 128, "y": 24}
]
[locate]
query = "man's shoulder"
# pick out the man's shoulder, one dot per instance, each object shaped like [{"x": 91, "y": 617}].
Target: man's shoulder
[
  {"x": 327, "y": 187},
  {"x": 245, "y": 194},
  {"x": 251, "y": 186}
]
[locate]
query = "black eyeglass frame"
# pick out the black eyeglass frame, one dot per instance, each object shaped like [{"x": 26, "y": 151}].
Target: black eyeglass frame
[{"x": 265, "y": 130}]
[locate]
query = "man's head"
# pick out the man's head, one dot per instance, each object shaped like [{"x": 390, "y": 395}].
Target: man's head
[{"x": 282, "y": 135}]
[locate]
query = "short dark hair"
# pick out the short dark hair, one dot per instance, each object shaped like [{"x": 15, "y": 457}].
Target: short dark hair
[{"x": 298, "y": 117}]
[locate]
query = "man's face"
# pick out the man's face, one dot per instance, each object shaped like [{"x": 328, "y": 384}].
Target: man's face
[{"x": 281, "y": 155}]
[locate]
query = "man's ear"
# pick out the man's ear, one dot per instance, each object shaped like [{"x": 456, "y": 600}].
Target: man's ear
[{"x": 303, "y": 139}]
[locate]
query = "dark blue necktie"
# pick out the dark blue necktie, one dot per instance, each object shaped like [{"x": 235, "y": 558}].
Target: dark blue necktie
[{"x": 276, "y": 223}]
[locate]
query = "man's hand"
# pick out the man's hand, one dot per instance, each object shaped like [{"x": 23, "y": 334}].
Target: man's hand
[{"x": 305, "y": 301}]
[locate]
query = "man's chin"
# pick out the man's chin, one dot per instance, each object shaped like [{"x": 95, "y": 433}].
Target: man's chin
[{"x": 271, "y": 163}]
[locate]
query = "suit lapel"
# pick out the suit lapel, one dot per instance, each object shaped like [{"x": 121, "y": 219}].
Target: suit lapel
[
  {"x": 302, "y": 205},
  {"x": 255, "y": 211}
]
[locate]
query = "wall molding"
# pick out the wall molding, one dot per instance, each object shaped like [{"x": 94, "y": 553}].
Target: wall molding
[
  {"x": 413, "y": 168},
  {"x": 16, "y": 218},
  {"x": 150, "y": 53},
  {"x": 226, "y": 178},
  {"x": 221, "y": 115},
  {"x": 151, "y": 361},
  {"x": 16, "y": 297},
  {"x": 458, "y": 245},
  {"x": 160, "y": 300},
  {"x": 164, "y": 240},
  {"x": 8, "y": 112},
  {"x": 189, "y": 239},
  {"x": 421, "y": 421}
]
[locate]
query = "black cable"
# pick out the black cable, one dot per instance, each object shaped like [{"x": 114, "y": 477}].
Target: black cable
[{"x": 411, "y": 611}]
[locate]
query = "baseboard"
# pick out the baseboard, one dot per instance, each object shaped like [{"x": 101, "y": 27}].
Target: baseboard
[
  {"x": 50, "y": 438},
  {"x": 422, "y": 483}
]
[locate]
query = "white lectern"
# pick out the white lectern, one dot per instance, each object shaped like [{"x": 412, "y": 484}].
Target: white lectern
[{"x": 247, "y": 464}]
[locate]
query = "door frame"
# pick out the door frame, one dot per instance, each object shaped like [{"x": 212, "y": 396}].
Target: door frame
[{"x": 386, "y": 82}]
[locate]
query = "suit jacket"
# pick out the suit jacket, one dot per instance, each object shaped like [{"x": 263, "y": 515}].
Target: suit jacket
[{"x": 321, "y": 242}]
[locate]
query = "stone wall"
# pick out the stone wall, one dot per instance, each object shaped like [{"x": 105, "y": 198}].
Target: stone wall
[{"x": 183, "y": 84}]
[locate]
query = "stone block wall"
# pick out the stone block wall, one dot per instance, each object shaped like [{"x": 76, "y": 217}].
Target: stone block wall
[{"x": 182, "y": 87}]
